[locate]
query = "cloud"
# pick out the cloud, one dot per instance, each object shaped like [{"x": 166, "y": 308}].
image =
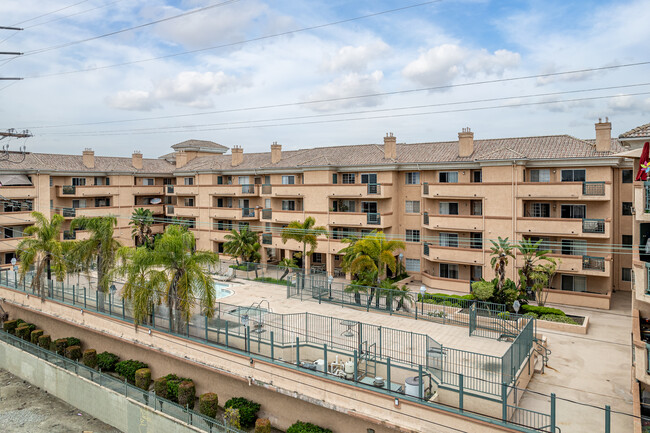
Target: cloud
[
  {"x": 132, "y": 100},
  {"x": 352, "y": 84},
  {"x": 442, "y": 64},
  {"x": 355, "y": 59},
  {"x": 628, "y": 103}
]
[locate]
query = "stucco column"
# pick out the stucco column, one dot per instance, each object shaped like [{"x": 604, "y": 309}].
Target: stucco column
[{"x": 329, "y": 263}]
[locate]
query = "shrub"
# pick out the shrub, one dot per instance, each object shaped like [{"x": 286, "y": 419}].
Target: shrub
[
  {"x": 160, "y": 387},
  {"x": 186, "y": 393},
  {"x": 530, "y": 314},
  {"x": 172, "y": 386},
  {"x": 247, "y": 410},
  {"x": 483, "y": 290},
  {"x": 209, "y": 404},
  {"x": 143, "y": 378},
  {"x": 307, "y": 427},
  {"x": 73, "y": 352},
  {"x": 44, "y": 341},
  {"x": 504, "y": 315},
  {"x": 31, "y": 326},
  {"x": 558, "y": 318},
  {"x": 262, "y": 425},
  {"x": 72, "y": 341},
  {"x": 271, "y": 280},
  {"x": 106, "y": 361},
  {"x": 540, "y": 311},
  {"x": 89, "y": 358},
  {"x": 19, "y": 322},
  {"x": 35, "y": 334},
  {"x": 60, "y": 345},
  {"x": 10, "y": 326},
  {"x": 231, "y": 417},
  {"x": 23, "y": 332},
  {"x": 127, "y": 369}
]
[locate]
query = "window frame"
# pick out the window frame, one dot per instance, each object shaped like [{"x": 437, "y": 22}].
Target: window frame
[
  {"x": 412, "y": 235},
  {"x": 572, "y": 176},
  {"x": 412, "y": 205},
  {"x": 538, "y": 172},
  {"x": 348, "y": 178},
  {"x": 410, "y": 265},
  {"x": 450, "y": 270},
  {"x": 444, "y": 176},
  {"x": 288, "y": 179}
]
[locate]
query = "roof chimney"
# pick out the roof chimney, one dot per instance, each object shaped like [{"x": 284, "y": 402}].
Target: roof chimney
[
  {"x": 88, "y": 158},
  {"x": 465, "y": 143},
  {"x": 181, "y": 158},
  {"x": 276, "y": 152},
  {"x": 390, "y": 146},
  {"x": 237, "y": 156},
  {"x": 136, "y": 159},
  {"x": 603, "y": 135}
]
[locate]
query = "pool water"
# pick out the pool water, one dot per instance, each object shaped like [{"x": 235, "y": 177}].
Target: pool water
[{"x": 222, "y": 291}]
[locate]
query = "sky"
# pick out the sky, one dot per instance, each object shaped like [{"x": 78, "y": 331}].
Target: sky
[{"x": 124, "y": 75}]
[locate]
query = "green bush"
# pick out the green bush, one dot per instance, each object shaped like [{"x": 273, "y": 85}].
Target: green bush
[
  {"x": 19, "y": 322},
  {"x": 31, "y": 327},
  {"x": 186, "y": 394},
  {"x": 106, "y": 361},
  {"x": 35, "y": 334},
  {"x": 44, "y": 341},
  {"x": 127, "y": 369},
  {"x": 172, "y": 386},
  {"x": 273, "y": 281},
  {"x": 247, "y": 410},
  {"x": 307, "y": 427},
  {"x": 160, "y": 387},
  {"x": 143, "y": 378},
  {"x": 209, "y": 404},
  {"x": 89, "y": 358},
  {"x": 540, "y": 311},
  {"x": 73, "y": 352},
  {"x": 262, "y": 425},
  {"x": 530, "y": 314},
  {"x": 558, "y": 318},
  {"x": 10, "y": 326},
  {"x": 483, "y": 290},
  {"x": 231, "y": 417},
  {"x": 504, "y": 315},
  {"x": 72, "y": 341},
  {"x": 23, "y": 332},
  {"x": 60, "y": 345}
]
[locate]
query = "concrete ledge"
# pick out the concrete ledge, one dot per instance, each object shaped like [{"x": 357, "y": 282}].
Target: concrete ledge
[
  {"x": 564, "y": 327},
  {"x": 579, "y": 299}
]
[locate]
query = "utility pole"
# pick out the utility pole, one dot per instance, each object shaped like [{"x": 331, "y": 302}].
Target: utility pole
[
  {"x": 10, "y": 53},
  {"x": 12, "y": 133}
]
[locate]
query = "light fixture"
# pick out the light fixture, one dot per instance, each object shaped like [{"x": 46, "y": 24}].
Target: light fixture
[
  {"x": 252, "y": 361},
  {"x": 396, "y": 401},
  {"x": 149, "y": 331}
]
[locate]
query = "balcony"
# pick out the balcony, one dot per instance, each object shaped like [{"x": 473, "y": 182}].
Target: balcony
[
  {"x": 99, "y": 211},
  {"x": 85, "y": 191},
  {"x": 455, "y": 190},
  {"x": 18, "y": 191},
  {"x": 267, "y": 214},
  {"x": 151, "y": 190},
  {"x": 581, "y": 265},
  {"x": 454, "y": 255},
  {"x": 597, "y": 228},
  {"x": 590, "y": 191},
  {"x": 13, "y": 218},
  {"x": 248, "y": 212},
  {"x": 226, "y": 213},
  {"x": 453, "y": 222},
  {"x": 8, "y": 245},
  {"x": 360, "y": 219},
  {"x": 360, "y": 190},
  {"x": 156, "y": 209},
  {"x": 186, "y": 211},
  {"x": 183, "y": 190},
  {"x": 295, "y": 190},
  {"x": 285, "y": 216}
]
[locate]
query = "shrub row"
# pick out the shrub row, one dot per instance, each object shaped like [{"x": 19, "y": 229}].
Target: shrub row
[
  {"x": 307, "y": 427},
  {"x": 540, "y": 311},
  {"x": 127, "y": 369}
]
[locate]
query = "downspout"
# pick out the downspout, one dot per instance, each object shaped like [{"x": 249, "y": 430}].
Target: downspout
[{"x": 514, "y": 216}]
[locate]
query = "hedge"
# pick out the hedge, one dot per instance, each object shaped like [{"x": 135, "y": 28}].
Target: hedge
[
  {"x": 186, "y": 394},
  {"x": 23, "y": 332},
  {"x": 143, "y": 378},
  {"x": 540, "y": 311},
  {"x": 60, "y": 345},
  {"x": 44, "y": 341},
  {"x": 160, "y": 387},
  {"x": 89, "y": 358},
  {"x": 73, "y": 352},
  {"x": 307, "y": 427},
  {"x": 247, "y": 410},
  {"x": 10, "y": 326},
  {"x": 73, "y": 341},
  {"x": 127, "y": 369},
  {"x": 106, "y": 361},
  {"x": 35, "y": 334},
  {"x": 172, "y": 386},
  {"x": 262, "y": 425},
  {"x": 209, "y": 404},
  {"x": 558, "y": 318}
]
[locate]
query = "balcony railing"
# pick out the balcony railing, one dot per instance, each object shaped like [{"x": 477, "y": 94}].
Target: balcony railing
[
  {"x": 647, "y": 197},
  {"x": 373, "y": 218},
  {"x": 267, "y": 239},
  {"x": 426, "y": 218},
  {"x": 267, "y": 189},
  {"x": 593, "y": 225},
  {"x": 247, "y": 212},
  {"x": 374, "y": 188},
  {"x": 248, "y": 189},
  {"x": 69, "y": 212},
  {"x": 593, "y": 263},
  {"x": 267, "y": 214},
  {"x": 593, "y": 188},
  {"x": 426, "y": 249},
  {"x": 170, "y": 189},
  {"x": 170, "y": 209},
  {"x": 69, "y": 189},
  {"x": 425, "y": 188}
]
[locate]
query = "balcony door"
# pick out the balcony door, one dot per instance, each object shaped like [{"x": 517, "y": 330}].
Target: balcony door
[{"x": 369, "y": 207}]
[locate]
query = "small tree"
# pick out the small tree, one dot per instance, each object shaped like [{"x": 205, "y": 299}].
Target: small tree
[
  {"x": 501, "y": 250},
  {"x": 243, "y": 244},
  {"x": 305, "y": 233},
  {"x": 542, "y": 277},
  {"x": 532, "y": 254},
  {"x": 287, "y": 264},
  {"x": 142, "y": 220}
]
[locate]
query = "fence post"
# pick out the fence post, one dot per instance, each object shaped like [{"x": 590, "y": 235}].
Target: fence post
[
  {"x": 84, "y": 298},
  {"x": 248, "y": 339},
  {"x": 608, "y": 419},
  {"x": 298, "y": 351},
  {"x": 504, "y": 402},
  {"x": 110, "y": 304},
  {"x": 420, "y": 383},
  {"x": 354, "y": 378},
  {"x": 272, "y": 347},
  {"x": 552, "y": 411},
  {"x": 325, "y": 358},
  {"x": 388, "y": 373},
  {"x": 416, "y": 311},
  {"x": 206, "y": 327},
  {"x": 73, "y": 298},
  {"x": 460, "y": 392}
]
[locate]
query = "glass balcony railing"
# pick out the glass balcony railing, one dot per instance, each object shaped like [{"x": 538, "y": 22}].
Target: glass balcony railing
[
  {"x": 267, "y": 188},
  {"x": 593, "y": 225},
  {"x": 425, "y": 188},
  {"x": 170, "y": 210},
  {"x": 170, "y": 189},
  {"x": 248, "y": 212},
  {"x": 593, "y": 263},
  {"x": 373, "y": 218},
  {"x": 68, "y": 189},
  {"x": 247, "y": 189},
  {"x": 69, "y": 212},
  {"x": 267, "y": 239},
  {"x": 267, "y": 214},
  {"x": 426, "y": 248},
  {"x": 647, "y": 197},
  {"x": 426, "y": 218},
  {"x": 593, "y": 188},
  {"x": 374, "y": 188}
]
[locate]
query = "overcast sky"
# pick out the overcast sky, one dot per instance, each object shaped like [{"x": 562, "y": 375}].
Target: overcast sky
[{"x": 250, "y": 58}]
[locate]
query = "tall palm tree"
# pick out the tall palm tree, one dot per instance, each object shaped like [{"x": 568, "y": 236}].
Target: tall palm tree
[
  {"x": 348, "y": 253},
  {"x": 243, "y": 244},
  {"x": 304, "y": 233},
  {"x": 99, "y": 249},
  {"x": 500, "y": 251},
  {"x": 141, "y": 220},
  {"x": 375, "y": 253},
  {"x": 136, "y": 266},
  {"x": 43, "y": 250},
  {"x": 532, "y": 255},
  {"x": 404, "y": 298}
]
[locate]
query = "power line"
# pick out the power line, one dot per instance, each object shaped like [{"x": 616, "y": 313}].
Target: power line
[
  {"x": 74, "y": 14},
  {"x": 50, "y": 13}
]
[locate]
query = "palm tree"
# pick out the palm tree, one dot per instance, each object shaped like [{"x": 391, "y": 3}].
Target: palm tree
[
  {"x": 42, "y": 250},
  {"x": 404, "y": 298},
  {"x": 500, "y": 252},
  {"x": 532, "y": 255},
  {"x": 243, "y": 244},
  {"x": 304, "y": 233},
  {"x": 141, "y": 220},
  {"x": 135, "y": 266},
  {"x": 287, "y": 264},
  {"x": 348, "y": 253},
  {"x": 375, "y": 254},
  {"x": 387, "y": 290},
  {"x": 99, "y": 249}
]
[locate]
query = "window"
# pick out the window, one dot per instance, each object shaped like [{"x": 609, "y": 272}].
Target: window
[
  {"x": 412, "y": 206},
  {"x": 448, "y": 177},
  {"x": 412, "y": 265},
  {"x": 317, "y": 258},
  {"x": 449, "y": 240},
  {"x": 476, "y": 240},
  {"x": 288, "y": 205},
  {"x": 413, "y": 178},
  {"x": 148, "y": 182},
  {"x": 448, "y": 271},
  {"x": 189, "y": 201},
  {"x": 335, "y": 178},
  {"x": 626, "y": 241},
  {"x": 168, "y": 181},
  {"x": 243, "y": 180},
  {"x": 189, "y": 181},
  {"x": 243, "y": 226},
  {"x": 51, "y": 181},
  {"x": 267, "y": 227},
  {"x": 626, "y": 274},
  {"x": 540, "y": 175},
  {"x": 476, "y": 207},
  {"x": 288, "y": 180},
  {"x": 220, "y": 247},
  {"x": 539, "y": 210},
  {"x": 448, "y": 208},
  {"x": 477, "y": 176},
  {"x": 102, "y": 202},
  {"x": 544, "y": 245},
  {"x": 224, "y": 202},
  {"x": 81, "y": 203},
  {"x": 573, "y": 211},
  {"x": 102, "y": 181},
  {"x": 348, "y": 178},
  {"x": 219, "y": 180},
  {"x": 627, "y": 176},
  {"x": 627, "y": 208},
  {"x": 574, "y": 247},
  {"x": 78, "y": 181},
  {"x": 574, "y": 283},
  {"x": 573, "y": 175},
  {"x": 369, "y": 178},
  {"x": 476, "y": 272},
  {"x": 412, "y": 235}
]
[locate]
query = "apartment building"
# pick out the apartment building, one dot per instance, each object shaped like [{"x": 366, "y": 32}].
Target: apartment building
[{"x": 446, "y": 200}]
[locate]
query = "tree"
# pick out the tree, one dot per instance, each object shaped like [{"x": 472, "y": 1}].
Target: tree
[
  {"x": 532, "y": 256},
  {"x": 243, "y": 244},
  {"x": 542, "y": 277},
  {"x": 304, "y": 233},
  {"x": 142, "y": 220},
  {"x": 404, "y": 298},
  {"x": 99, "y": 249},
  {"x": 500, "y": 252},
  {"x": 375, "y": 254},
  {"x": 43, "y": 250},
  {"x": 136, "y": 266},
  {"x": 287, "y": 264},
  {"x": 348, "y": 253}
]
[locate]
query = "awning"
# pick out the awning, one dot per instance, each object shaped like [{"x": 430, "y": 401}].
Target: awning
[{"x": 14, "y": 180}]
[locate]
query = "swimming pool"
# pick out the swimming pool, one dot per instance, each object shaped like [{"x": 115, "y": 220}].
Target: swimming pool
[{"x": 222, "y": 291}]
